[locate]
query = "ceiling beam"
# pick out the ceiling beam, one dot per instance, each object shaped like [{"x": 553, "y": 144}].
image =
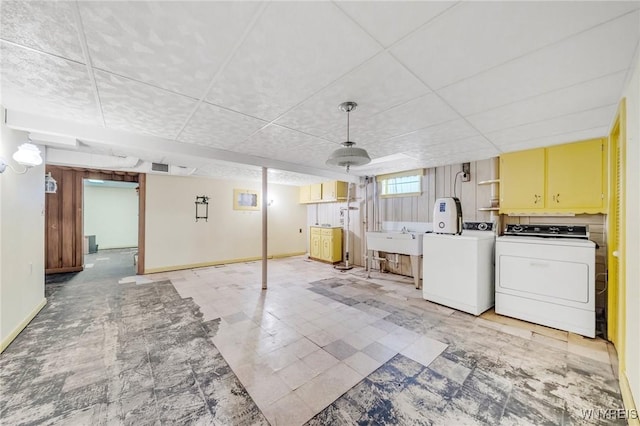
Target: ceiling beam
[{"x": 19, "y": 120}]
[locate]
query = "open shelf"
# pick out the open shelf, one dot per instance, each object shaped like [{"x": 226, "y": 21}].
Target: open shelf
[{"x": 489, "y": 209}]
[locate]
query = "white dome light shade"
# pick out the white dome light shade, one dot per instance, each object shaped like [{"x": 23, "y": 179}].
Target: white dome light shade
[
  {"x": 28, "y": 155},
  {"x": 348, "y": 156}
]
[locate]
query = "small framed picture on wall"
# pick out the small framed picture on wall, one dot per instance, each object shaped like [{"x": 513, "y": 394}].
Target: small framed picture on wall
[{"x": 246, "y": 199}]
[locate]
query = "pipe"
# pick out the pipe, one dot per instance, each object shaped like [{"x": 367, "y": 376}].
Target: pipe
[
  {"x": 367, "y": 258},
  {"x": 264, "y": 228}
]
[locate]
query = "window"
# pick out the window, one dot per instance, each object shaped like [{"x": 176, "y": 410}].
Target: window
[{"x": 401, "y": 184}]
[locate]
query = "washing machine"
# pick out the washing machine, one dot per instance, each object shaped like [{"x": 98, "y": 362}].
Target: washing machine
[
  {"x": 458, "y": 270},
  {"x": 545, "y": 274}
]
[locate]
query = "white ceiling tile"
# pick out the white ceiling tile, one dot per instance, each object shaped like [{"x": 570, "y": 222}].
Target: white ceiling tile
[
  {"x": 132, "y": 106},
  {"x": 388, "y": 167},
  {"x": 48, "y": 26},
  {"x": 581, "y": 58},
  {"x": 580, "y": 135},
  {"x": 175, "y": 45},
  {"x": 424, "y": 138},
  {"x": 219, "y": 128},
  {"x": 462, "y": 148},
  {"x": 46, "y": 85},
  {"x": 234, "y": 171},
  {"x": 417, "y": 114},
  {"x": 379, "y": 84},
  {"x": 294, "y": 50},
  {"x": 565, "y": 125},
  {"x": 475, "y": 36},
  {"x": 581, "y": 97},
  {"x": 288, "y": 145},
  {"x": 389, "y": 21}
]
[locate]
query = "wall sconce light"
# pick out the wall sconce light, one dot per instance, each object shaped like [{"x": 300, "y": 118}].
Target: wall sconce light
[
  {"x": 27, "y": 155},
  {"x": 50, "y": 184}
]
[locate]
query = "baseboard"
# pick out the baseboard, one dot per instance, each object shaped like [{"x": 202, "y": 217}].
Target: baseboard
[
  {"x": 627, "y": 399},
  {"x": 7, "y": 340},
  {"x": 216, "y": 263}
]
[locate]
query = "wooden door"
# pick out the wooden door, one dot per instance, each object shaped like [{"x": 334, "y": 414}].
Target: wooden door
[
  {"x": 616, "y": 247},
  {"x": 63, "y": 221}
]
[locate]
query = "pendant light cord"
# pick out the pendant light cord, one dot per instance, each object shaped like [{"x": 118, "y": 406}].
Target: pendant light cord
[{"x": 348, "y": 112}]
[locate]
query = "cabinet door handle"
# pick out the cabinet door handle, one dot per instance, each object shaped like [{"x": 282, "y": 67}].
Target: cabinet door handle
[
  {"x": 536, "y": 198},
  {"x": 556, "y": 198}
]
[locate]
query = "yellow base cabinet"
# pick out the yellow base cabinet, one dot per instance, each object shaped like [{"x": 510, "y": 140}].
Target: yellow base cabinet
[
  {"x": 315, "y": 250},
  {"x": 326, "y": 244},
  {"x": 562, "y": 179}
]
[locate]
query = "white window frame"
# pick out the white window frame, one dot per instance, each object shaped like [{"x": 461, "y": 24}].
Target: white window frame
[{"x": 392, "y": 179}]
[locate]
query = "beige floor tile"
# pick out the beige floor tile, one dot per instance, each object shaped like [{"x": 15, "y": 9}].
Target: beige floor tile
[
  {"x": 362, "y": 363},
  {"x": 399, "y": 339},
  {"x": 424, "y": 350},
  {"x": 321, "y": 338},
  {"x": 320, "y": 360},
  {"x": 302, "y": 347},
  {"x": 290, "y": 410},
  {"x": 372, "y": 332},
  {"x": 296, "y": 374},
  {"x": 268, "y": 390},
  {"x": 358, "y": 340},
  {"x": 325, "y": 388}
]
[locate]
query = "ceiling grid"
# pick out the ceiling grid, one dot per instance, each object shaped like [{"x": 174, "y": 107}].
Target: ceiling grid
[{"x": 436, "y": 83}]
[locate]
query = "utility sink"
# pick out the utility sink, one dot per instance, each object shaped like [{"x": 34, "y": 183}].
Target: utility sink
[{"x": 409, "y": 243}]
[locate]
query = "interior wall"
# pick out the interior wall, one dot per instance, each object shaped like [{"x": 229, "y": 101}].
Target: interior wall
[
  {"x": 174, "y": 240},
  {"x": 632, "y": 94},
  {"x": 22, "y": 201},
  {"x": 111, "y": 214},
  {"x": 436, "y": 182}
]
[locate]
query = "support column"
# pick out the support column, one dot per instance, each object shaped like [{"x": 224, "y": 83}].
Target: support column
[{"x": 264, "y": 228}]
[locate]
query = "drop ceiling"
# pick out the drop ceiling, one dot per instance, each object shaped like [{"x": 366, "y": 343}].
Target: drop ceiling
[{"x": 227, "y": 87}]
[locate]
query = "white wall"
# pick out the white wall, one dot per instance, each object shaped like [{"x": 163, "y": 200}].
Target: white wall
[
  {"x": 111, "y": 214},
  {"x": 632, "y": 93},
  {"x": 173, "y": 239},
  {"x": 21, "y": 239}
]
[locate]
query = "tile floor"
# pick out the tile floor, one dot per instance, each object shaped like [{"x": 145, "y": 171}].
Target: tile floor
[{"x": 320, "y": 346}]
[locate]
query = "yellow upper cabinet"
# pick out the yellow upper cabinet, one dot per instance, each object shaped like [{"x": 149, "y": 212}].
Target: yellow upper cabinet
[
  {"x": 522, "y": 180},
  {"x": 324, "y": 192},
  {"x": 575, "y": 176},
  {"x": 316, "y": 192},
  {"x": 568, "y": 178},
  {"x": 334, "y": 191},
  {"x": 305, "y": 194}
]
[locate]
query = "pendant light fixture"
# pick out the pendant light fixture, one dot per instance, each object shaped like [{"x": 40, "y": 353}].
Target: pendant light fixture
[{"x": 348, "y": 155}]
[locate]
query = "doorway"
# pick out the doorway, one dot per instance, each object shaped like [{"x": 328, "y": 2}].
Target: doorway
[{"x": 64, "y": 233}]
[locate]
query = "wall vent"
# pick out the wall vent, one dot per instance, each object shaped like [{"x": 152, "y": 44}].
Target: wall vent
[{"x": 159, "y": 167}]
